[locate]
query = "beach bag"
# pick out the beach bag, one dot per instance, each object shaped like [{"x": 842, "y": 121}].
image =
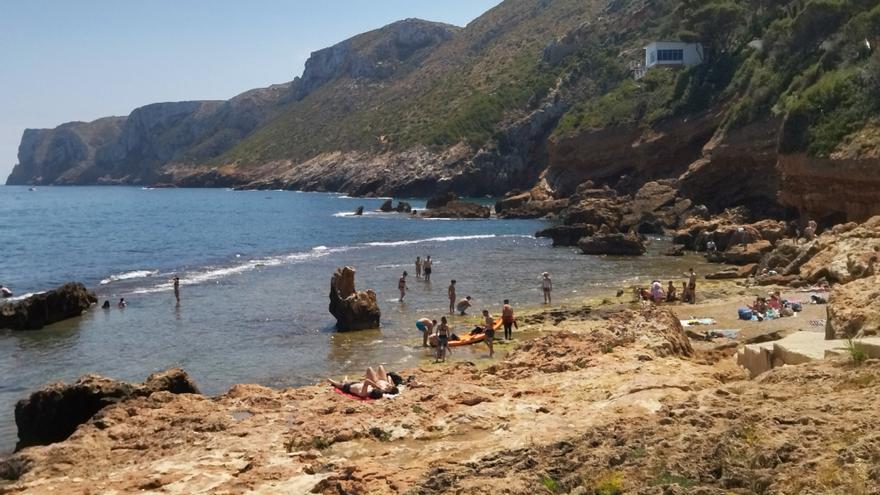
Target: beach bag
[{"x": 745, "y": 314}]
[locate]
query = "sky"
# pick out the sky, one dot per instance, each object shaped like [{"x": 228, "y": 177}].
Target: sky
[{"x": 63, "y": 60}]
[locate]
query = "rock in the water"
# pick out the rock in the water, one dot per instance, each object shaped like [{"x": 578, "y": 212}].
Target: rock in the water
[
  {"x": 440, "y": 200},
  {"x": 37, "y": 311},
  {"x": 387, "y": 206},
  {"x": 458, "y": 209},
  {"x": 359, "y": 211},
  {"x": 353, "y": 310},
  {"x": 854, "y": 309},
  {"x": 53, "y": 413},
  {"x": 403, "y": 207},
  {"x": 676, "y": 250},
  {"x": 567, "y": 235},
  {"x": 615, "y": 244}
]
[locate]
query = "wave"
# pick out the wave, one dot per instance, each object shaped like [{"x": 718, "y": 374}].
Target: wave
[
  {"x": 129, "y": 275},
  {"x": 439, "y": 239},
  {"x": 212, "y": 273}
]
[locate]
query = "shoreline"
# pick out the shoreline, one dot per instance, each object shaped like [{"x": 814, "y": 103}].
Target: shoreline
[{"x": 580, "y": 372}]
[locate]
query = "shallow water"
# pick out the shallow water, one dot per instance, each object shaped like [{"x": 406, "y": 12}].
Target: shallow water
[{"x": 255, "y": 269}]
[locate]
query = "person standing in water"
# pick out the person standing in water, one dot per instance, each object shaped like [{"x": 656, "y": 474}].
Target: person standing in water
[
  {"x": 489, "y": 331},
  {"x": 451, "y": 293},
  {"x": 418, "y": 267},
  {"x": 547, "y": 287},
  {"x": 427, "y": 267},
  {"x": 507, "y": 319},
  {"x": 442, "y": 334},
  {"x": 121, "y": 303},
  {"x": 401, "y": 286},
  {"x": 692, "y": 285},
  {"x": 176, "y": 281},
  {"x": 426, "y": 326}
]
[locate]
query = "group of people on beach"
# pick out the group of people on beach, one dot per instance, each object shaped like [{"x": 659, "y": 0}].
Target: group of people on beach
[
  {"x": 656, "y": 293},
  {"x": 439, "y": 334}
]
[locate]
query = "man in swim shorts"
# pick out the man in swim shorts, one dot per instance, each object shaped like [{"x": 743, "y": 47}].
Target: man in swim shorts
[
  {"x": 427, "y": 268},
  {"x": 489, "y": 330},
  {"x": 507, "y": 319},
  {"x": 426, "y": 326}
]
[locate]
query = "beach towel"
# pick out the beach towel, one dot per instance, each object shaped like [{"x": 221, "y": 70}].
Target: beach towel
[
  {"x": 367, "y": 399},
  {"x": 731, "y": 333},
  {"x": 697, "y": 321},
  {"x": 351, "y": 396}
]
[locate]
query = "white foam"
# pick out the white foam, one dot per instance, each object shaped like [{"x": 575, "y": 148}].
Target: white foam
[
  {"x": 439, "y": 239},
  {"x": 129, "y": 275}
]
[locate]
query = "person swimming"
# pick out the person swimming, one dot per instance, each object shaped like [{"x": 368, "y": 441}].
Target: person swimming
[
  {"x": 106, "y": 304},
  {"x": 121, "y": 304}
]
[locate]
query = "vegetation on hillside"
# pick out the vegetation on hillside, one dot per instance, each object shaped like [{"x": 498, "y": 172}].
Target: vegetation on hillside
[
  {"x": 804, "y": 61},
  {"x": 814, "y": 63}
]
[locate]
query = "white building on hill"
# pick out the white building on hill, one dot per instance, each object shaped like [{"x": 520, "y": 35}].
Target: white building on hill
[{"x": 671, "y": 53}]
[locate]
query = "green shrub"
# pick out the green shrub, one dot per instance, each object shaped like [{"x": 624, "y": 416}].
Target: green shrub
[
  {"x": 610, "y": 483},
  {"x": 856, "y": 351}
]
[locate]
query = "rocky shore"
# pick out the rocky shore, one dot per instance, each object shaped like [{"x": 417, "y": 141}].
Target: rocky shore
[{"x": 610, "y": 399}]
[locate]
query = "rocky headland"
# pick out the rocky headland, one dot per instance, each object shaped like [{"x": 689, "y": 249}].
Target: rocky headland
[{"x": 533, "y": 99}]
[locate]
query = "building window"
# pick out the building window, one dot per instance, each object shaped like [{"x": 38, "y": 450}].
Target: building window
[
  {"x": 653, "y": 57},
  {"x": 670, "y": 55}
]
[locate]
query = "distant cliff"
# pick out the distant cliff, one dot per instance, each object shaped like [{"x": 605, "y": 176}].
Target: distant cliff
[{"x": 533, "y": 93}]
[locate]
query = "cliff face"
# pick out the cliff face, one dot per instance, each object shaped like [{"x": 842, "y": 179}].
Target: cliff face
[
  {"x": 627, "y": 156},
  {"x": 831, "y": 190},
  {"x": 137, "y": 149}
]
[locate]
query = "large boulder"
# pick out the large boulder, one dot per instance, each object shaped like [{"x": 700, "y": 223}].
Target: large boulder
[
  {"x": 844, "y": 254},
  {"x": 854, "y": 309},
  {"x": 614, "y": 244},
  {"x": 353, "y": 310},
  {"x": 37, "y": 311},
  {"x": 53, "y": 413},
  {"x": 594, "y": 211},
  {"x": 458, "y": 209},
  {"x": 567, "y": 235},
  {"x": 532, "y": 209},
  {"x": 739, "y": 254},
  {"x": 387, "y": 206},
  {"x": 440, "y": 200}
]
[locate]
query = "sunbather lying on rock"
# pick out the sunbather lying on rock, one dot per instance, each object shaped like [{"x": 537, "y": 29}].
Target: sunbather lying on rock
[{"x": 366, "y": 389}]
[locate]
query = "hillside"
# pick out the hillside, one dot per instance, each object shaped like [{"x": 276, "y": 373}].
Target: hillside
[{"x": 533, "y": 92}]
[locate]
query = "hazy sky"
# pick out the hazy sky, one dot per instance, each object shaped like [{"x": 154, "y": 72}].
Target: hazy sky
[{"x": 68, "y": 60}]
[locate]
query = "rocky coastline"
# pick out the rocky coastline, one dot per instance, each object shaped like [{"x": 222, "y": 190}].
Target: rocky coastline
[{"x": 624, "y": 395}]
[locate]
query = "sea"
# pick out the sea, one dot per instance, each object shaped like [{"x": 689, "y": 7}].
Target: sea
[{"x": 255, "y": 270}]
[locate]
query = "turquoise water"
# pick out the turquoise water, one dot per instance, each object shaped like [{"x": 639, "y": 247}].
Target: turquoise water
[{"x": 255, "y": 269}]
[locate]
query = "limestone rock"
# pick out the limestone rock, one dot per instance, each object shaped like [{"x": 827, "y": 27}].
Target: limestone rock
[
  {"x": 39, "y": 310},
  {"x": 842, "y": 258},
  {"x": 567, "y": 235},
  {"x": 53, "y": 413},
  {"x": 613, "y": 244},
  {"x": 387, "y": 206},
  {"x": 733, "y": 272},
  {"x": 353, "y": 310},
  {"x": 458, "y": 209},
  {"x": 854, "y": 309},
  {"x": 746, "y": 254},
  {"x": 440, "y": 200}
]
